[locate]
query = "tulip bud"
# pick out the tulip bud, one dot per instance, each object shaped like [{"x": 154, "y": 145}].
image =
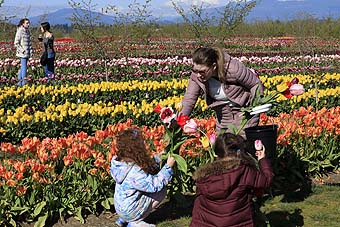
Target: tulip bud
[
  {"x": 296, "y": 89},
  {"x": 190, "y": 127},
  {"x": 294, "y": 81},
  {"x": 179, "y": 106}
]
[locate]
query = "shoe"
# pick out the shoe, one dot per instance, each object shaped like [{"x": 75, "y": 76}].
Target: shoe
[
  {"x": 120, "y": 222},
  {"x": 140, "y": 224}
]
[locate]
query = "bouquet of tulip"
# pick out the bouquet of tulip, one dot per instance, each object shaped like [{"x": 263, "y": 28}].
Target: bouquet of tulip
[
  {"x": 188, "y": 144},
  {"x": 261, "y": 104},
  {"x": 179, "y": 128}
]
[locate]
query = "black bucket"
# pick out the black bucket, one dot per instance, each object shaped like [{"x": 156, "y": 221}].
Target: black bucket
[{"x": 267, "y": 134}]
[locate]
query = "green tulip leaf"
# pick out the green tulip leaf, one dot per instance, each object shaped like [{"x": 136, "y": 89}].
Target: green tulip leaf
[
  {"x": 38, "y": 208},
  {"x": 41, "y": 221},
  {"x": 20, "y": 209},
  {"x": 107, "y": 203},
  {"x": 12, "y": 222},
  {"x": 178, "y": 144},
  {"x": 79, "y": 216},
  {"x": 181, "y": 163}
]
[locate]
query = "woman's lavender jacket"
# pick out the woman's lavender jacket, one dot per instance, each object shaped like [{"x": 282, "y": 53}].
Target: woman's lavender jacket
[{"x": 240, "y": 88}]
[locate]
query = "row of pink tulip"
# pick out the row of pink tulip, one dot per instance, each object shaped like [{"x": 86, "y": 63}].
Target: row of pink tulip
[{"x": 122, "y": 62}]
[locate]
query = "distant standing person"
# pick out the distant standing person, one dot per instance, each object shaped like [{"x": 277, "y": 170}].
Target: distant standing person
[
  {"x": 47, "y": 39},
  {"x": 24, "y": 51}
]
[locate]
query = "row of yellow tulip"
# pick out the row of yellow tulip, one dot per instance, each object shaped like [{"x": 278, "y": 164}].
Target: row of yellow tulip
[
  {"x": 273, "y": 81},
  {"x": 59, "y": 112},
  {"x": 92, "y": 88}
]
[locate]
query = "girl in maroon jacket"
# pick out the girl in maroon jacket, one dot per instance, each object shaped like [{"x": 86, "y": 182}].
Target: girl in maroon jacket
[
  {"x": 225, "y": 187},
  {"x": 227, "y": 86}
]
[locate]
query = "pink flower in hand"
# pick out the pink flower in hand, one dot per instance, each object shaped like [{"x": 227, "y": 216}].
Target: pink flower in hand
[
  {"x": 258, "y": 145},
  {"x": 190, "y": 127}
]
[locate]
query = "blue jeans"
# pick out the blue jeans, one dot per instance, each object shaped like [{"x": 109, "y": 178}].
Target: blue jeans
[
  {"x": 23, "y": 72},
  {"x": 49, "y": 67}
]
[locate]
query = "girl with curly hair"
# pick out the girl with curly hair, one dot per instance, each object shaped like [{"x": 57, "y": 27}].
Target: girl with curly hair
[{"x": 140, "y": 185}]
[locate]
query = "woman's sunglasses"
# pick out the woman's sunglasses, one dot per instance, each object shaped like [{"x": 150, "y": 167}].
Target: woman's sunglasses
[{"x": 201, "y": 72}]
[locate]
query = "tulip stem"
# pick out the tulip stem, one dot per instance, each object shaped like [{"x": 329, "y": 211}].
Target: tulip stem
[{"x": 316, "y": 96}]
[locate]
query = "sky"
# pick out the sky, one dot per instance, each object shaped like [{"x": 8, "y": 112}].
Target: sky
[
  {"x": 164, "y": 8},
  {"x": 158, "y": 7}
]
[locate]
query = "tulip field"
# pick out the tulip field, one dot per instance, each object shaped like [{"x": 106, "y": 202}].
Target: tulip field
[{"x": 57, "y": 136}]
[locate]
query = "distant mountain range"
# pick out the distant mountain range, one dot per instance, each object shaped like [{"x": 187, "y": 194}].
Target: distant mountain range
[
  {"x": 63, "y": 16},
  {"x": 281, "y": 10},
  {"x": 284, "y": 10}
]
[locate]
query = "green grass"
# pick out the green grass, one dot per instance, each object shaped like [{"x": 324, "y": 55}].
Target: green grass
[{"x": 321, "y": 208}]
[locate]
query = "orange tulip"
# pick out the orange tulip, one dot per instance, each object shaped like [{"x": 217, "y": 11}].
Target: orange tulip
[
  {"x": 11, "y": 183},
  {"x": 8, "y": 148},
  {"x": 8, "y": 175},
  {"x": 93, "y": 171},
  {"x": 68, "y": 160},
  {"x": 21, "y": 190}
]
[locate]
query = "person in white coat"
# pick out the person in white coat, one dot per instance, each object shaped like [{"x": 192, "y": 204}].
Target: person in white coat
[{"x": 24, "y": 49}]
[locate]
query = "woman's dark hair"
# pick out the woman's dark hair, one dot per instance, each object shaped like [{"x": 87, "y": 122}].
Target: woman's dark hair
[
  {"x": 22, "y": 21},
  {"x": 208, "y": 56},
  {"x": 46, "y": 26},
  {"x": 231, "y": 146},
  {"x": 131, "y": 148},
  {"x": 205, "y": 56}
]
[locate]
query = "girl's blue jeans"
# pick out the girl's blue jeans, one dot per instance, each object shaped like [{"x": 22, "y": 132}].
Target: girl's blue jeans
[{"x": 22, "y": 72}]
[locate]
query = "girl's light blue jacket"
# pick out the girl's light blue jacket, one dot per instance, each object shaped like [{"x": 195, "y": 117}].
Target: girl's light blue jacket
[{"x": 134, "y": 186}]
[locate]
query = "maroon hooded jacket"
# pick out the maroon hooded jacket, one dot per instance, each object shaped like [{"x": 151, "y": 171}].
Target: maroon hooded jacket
[{"x": 224, "y": 193}]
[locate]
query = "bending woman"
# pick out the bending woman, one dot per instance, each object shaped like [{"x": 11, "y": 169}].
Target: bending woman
[{"x": 227, "y": 86}]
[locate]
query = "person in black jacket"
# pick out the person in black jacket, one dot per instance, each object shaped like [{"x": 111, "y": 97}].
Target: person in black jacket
[{"x": 47, "y": 39}]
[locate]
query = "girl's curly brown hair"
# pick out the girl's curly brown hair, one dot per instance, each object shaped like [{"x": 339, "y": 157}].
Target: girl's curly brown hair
[{"x": 131, "y": 148}]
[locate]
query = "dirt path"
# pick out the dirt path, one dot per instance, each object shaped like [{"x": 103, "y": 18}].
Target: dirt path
[
  {"x": 331, "y": 179},
  {"x": 105, "y": 219}
]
